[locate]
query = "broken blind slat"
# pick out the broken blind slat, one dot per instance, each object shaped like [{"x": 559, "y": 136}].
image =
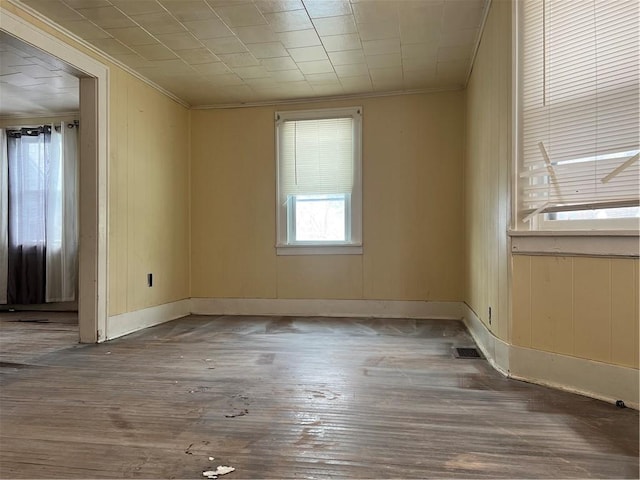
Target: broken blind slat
[{"x": 579, "y": 102}]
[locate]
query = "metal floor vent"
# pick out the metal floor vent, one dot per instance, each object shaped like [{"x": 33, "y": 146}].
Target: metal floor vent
[{"x": 466, "y": 352}]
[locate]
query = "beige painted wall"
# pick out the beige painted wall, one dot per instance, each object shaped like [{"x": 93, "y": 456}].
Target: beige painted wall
[
  {"x": 486, "y": 173},
  {"x": 148, "y": 196},
  {"x": 579, "y": 306},
  {"x": 148, "y": 188},
  {"x": 412, "y": 206},
  {"x": 585, "y": 307}
]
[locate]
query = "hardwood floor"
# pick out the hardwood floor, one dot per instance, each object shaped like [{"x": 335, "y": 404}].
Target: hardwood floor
[{"x": 292, "y": 398}]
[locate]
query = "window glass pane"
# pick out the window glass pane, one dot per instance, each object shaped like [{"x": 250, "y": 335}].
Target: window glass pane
[
  {"x": 599, "y": 214},
  {"x": 320, "y": 218}
]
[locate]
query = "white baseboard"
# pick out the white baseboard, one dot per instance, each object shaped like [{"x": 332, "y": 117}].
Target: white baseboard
[
  {"x": 576, "y": 375},
  {"x": 125, "y": 323},
  {"x": 496, "y": 351},
  {"x": 327, "y": 308}
]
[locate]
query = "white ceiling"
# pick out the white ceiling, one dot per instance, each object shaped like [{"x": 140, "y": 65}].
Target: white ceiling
[
  {"x": 33, "y": 82},
  {"x": 215, "y": 52}
]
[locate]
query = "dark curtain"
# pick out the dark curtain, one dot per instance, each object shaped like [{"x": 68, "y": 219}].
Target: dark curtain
[{"x": 26, "y": 280}]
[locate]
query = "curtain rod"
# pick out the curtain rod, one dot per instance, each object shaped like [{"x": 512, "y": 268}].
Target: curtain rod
[{"x": 35, "y": 131}]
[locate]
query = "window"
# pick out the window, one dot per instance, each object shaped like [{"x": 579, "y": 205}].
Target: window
[
  {"x": 578, "y": 162},
  {"x": 319, "y": 181}
]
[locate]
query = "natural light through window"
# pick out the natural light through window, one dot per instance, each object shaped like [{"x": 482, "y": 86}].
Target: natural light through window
[{"x": 319, "y": 181}]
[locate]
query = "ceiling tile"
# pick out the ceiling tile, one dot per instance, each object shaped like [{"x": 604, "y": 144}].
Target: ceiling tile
[
  {"x": 111, "y": 46},
  {"x": 188, "y": 10},
  {"x": 307, "y": 54},
  {"x": 272, "y": 6},
  {"x": 280, "y": 63},
  {"x": 225, "y": 79},
  {"x": 107, "y": 17},
  {"x": 454, "y": 38},
  {"x": 198, "y": 56},
  {"x": 379, "y": 47},
  {"x": 419, "y": 50},
  {"x": 86, "y": 30},
  {"x": 132, "y": 59},
  {"x": 335, "y": 25},
  {"x": 390, "y": 78},
  {"x": 386, "y": 60},
  {"x": 418, "y": 31},
  {"x": 138, "y": 7},
  {"x": 327, "y": 90},
  {"x": 158, "y": 23},
  {"x": 319, "y": 66},
  {"x": 287, "y": 75},
  {"x": 214, "y": 68},
  {"x": 267, "y": 50},
  {"x": 132, "y": 36},
  {"x": 352, "y": 70},
  {"x": 225, "y": 45},
  {"x": 359, "y": 84},
  {"x": 243, "y": 15},
  {"x": 239, "y": 59},
  {"x": 289, "y": 21},
  {"x": 322, "y": 78},
  {"x": 87, "y": 3},
  {"x": 155, "y": 52},
  {"x": 192, "y": 46},
  {"x": 378, "y": 30},
  {"x": 327, "y": 8},
  {"x": 256, "y": 34},
  {"x": 347, "y": 57},
  {"x": 300, "y": 38},
  {"x": 335, "y": 43},
  {"x": 448, "y": 54},
  {"x": 372, "y": 12},
  {"x": 22, "y": 80},
  {"x": 179, "y": 41},
  {"x": 462, "y": 14},
  {"x": 209, "y": 28},
  {"x": 54, "y": 9},
  {"x": 253, "y": 71}
]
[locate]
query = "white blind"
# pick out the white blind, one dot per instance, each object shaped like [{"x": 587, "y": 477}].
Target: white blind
[
  {"x": 316, "y": 157},
  {"x": 579, "y": 102}
]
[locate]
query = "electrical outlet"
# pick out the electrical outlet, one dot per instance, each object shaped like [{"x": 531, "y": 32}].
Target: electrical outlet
[
  {"x": 149, "y": 279},
  {"x": 489, "y": 315}
]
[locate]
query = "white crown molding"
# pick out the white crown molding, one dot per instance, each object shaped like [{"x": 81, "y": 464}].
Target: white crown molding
[
  {"x": 485, "y": 15},
  {"x": 60, "y": 116},
  {"x": 335, "y": 98},
  {"x": 105, "y": 56}
]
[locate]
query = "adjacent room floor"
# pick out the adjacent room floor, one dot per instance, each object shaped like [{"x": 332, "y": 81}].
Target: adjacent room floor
[{"x": 290, "y": 398}]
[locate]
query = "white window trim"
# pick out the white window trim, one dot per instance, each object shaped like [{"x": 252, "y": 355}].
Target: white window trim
[
  {"x": 353, "y": 247},
  {"x": 540, "y": 233},
  {"x": 538, "y": 226}
]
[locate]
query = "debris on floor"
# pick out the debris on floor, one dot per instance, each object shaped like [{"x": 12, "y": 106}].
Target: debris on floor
[
  {"x": 211, "y": 459},
  {"x": 239, "y": 414},
  {"x": 221, "y": 470}
]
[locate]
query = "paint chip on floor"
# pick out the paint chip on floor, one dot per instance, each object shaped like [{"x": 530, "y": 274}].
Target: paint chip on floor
[{"x": 221, "y": 470}]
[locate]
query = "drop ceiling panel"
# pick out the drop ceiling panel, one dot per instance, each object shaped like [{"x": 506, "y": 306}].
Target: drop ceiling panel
[{"x": 209, "y": 52}]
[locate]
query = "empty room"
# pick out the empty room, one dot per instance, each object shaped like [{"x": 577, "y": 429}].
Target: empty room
[{"x": 319, "y": 238}]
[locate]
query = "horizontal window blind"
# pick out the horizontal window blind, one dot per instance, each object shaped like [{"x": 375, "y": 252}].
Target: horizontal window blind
[
  {"x": 316, "y": 157},
  {"x": 579, "y": 103}
]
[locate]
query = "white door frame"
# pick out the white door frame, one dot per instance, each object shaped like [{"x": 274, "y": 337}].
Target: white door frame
[{"x": 94, "y": 141}]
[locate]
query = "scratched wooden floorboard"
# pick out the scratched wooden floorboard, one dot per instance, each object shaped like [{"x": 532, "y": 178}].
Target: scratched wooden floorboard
[{"x": 290, "y": 398}]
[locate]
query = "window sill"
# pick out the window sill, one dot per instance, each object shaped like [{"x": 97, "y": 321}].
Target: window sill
[
  {"x": 597, "y": 243},
  {"x": 318, "y": 249}
]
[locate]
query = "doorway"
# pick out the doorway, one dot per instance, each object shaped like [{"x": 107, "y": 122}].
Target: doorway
[{"x": 93, "y": 144}]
